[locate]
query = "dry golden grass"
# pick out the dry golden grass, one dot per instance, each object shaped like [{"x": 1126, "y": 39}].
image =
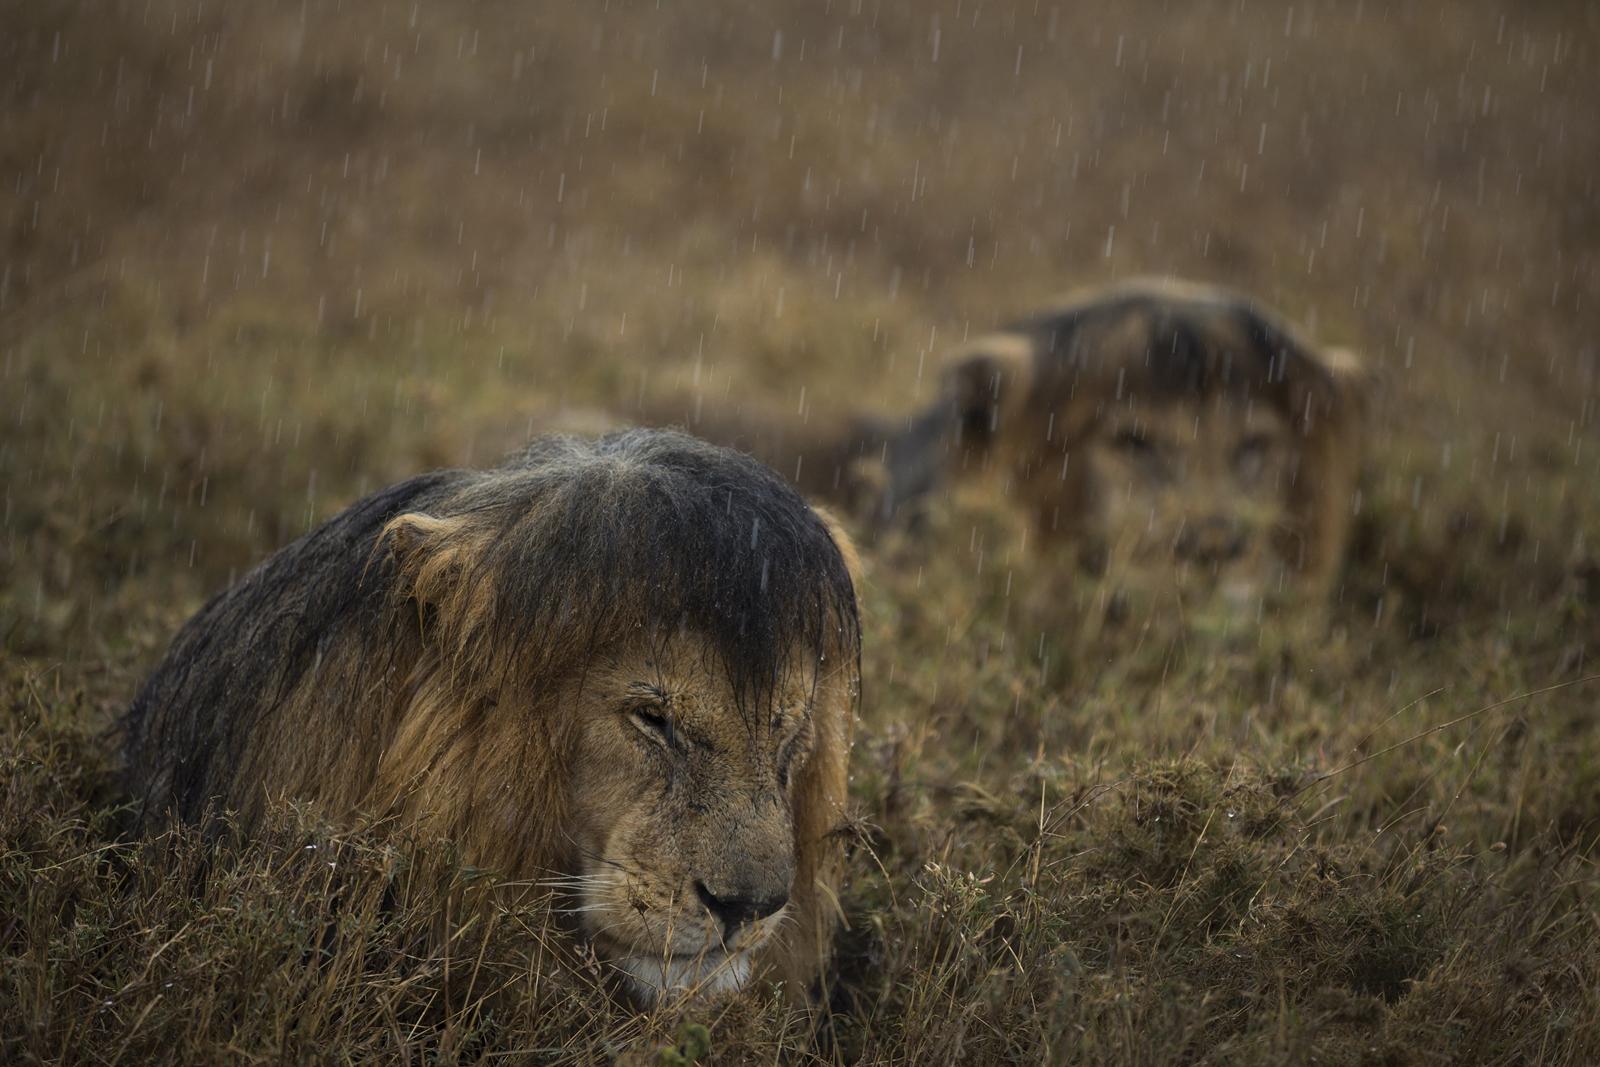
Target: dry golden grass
[{"x": 258, "y": 259}]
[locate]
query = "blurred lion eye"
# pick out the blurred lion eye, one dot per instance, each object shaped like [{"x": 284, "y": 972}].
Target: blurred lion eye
[
  {"x": 1251, "y": 455},
  {"x": 653, "y": 724},
  {"x": 1132, "y": 441}
]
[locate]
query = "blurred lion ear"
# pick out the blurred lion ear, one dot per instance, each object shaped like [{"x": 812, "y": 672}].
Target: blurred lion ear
[
  {"x": 1350, "y": 375},
  {"x": 844, "y": 543},
  {"x": 1335, "y": 396},
  {"x": 987, "y": 383}
]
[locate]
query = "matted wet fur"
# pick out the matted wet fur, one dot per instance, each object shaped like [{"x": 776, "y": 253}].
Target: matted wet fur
[
  {"x": 1161, "y": 427},
  {"x": 626, "y": 668}
]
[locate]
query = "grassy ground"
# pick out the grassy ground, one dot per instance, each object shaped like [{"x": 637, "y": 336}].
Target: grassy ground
[{"x": 258, "y": 259}]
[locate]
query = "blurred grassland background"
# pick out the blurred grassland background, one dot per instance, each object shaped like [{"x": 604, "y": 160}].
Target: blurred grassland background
[{"x": 257, "y": 259}]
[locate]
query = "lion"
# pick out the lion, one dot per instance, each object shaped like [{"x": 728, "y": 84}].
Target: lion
[
  {"x": 626, "y": 666},
  {"x": 1166, "y": 431}
]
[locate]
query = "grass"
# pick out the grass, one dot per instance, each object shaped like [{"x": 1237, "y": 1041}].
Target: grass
[{"x": 255, "y": 262}]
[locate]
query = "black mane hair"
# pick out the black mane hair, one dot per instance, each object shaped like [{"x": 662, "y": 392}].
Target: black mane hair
[
  {"x": 1194, "y": 345},
  {"x": 657, "y": 530}
]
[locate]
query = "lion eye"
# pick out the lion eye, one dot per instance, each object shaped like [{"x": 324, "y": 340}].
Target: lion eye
[
  {"x": 1251, "y": 456},
  {"x": 1154, "y": 459},
  {"x": 652, "y": 723},
  {"x": 1133, "y": 441},
  {"x": 788, "y": 756}
]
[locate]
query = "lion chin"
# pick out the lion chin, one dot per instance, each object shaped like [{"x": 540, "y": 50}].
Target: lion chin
[
  {"x": 686, "y": 966},
  {"x": 706, "y": 976}
]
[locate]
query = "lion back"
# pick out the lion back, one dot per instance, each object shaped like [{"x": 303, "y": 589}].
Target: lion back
[{"x": 207, "y": 725}]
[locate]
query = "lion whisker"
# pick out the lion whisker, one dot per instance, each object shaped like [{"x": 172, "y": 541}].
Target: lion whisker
[
  {"x": 581, "y": 908},
  {"x": 590, "y": 854}
]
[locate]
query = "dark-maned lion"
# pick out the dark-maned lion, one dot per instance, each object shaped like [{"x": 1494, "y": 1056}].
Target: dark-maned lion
[
  {"x": 1167, "y": 430},
  {"x": 629, "y": 665}
]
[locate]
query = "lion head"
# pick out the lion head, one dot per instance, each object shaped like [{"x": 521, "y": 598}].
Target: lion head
[
  {"x": 1171, "y": 433},
  {"x": 678, "y": 891},
  {"x": 624, "y": 668}
]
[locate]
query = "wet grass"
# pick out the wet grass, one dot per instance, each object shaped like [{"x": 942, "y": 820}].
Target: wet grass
[{"x": 257, "y": 262}]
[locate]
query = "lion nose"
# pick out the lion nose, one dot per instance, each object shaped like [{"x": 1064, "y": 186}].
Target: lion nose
[
  {"x": 735, "y": 910},
  {"x": 1210, "y": 540}
]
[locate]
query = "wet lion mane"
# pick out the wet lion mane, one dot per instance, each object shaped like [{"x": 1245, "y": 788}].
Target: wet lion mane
[{"x": 408, "y": 656}]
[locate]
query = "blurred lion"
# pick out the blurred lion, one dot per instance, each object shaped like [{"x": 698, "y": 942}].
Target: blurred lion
[
  {"x": 628, "y": 667},
  {"x": 1170, "y": 432}
]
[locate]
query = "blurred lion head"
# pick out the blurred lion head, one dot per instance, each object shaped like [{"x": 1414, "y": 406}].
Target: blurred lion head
[
  {"x": 626, "y": 669},
  {"x": 1174, "y": 435}
]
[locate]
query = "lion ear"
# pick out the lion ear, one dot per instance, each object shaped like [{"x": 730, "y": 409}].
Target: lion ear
[
  {"x": 1349, "y": 374},
  {"x": 432, "y": 555},
  {"x": 988, "y": 384},
  {"x": 844, "y": 543},
  {"x": 1334, "y": 397}
]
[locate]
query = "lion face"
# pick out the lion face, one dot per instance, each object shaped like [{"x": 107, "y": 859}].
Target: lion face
[
  {"x": 1187, "y": 495},
  {"x": 684, "y": 804},
  {"x": 1179, "y": 437}
]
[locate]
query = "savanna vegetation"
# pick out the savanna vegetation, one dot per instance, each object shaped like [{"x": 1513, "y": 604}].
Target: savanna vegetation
[{"x": 257, "y": 259}]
